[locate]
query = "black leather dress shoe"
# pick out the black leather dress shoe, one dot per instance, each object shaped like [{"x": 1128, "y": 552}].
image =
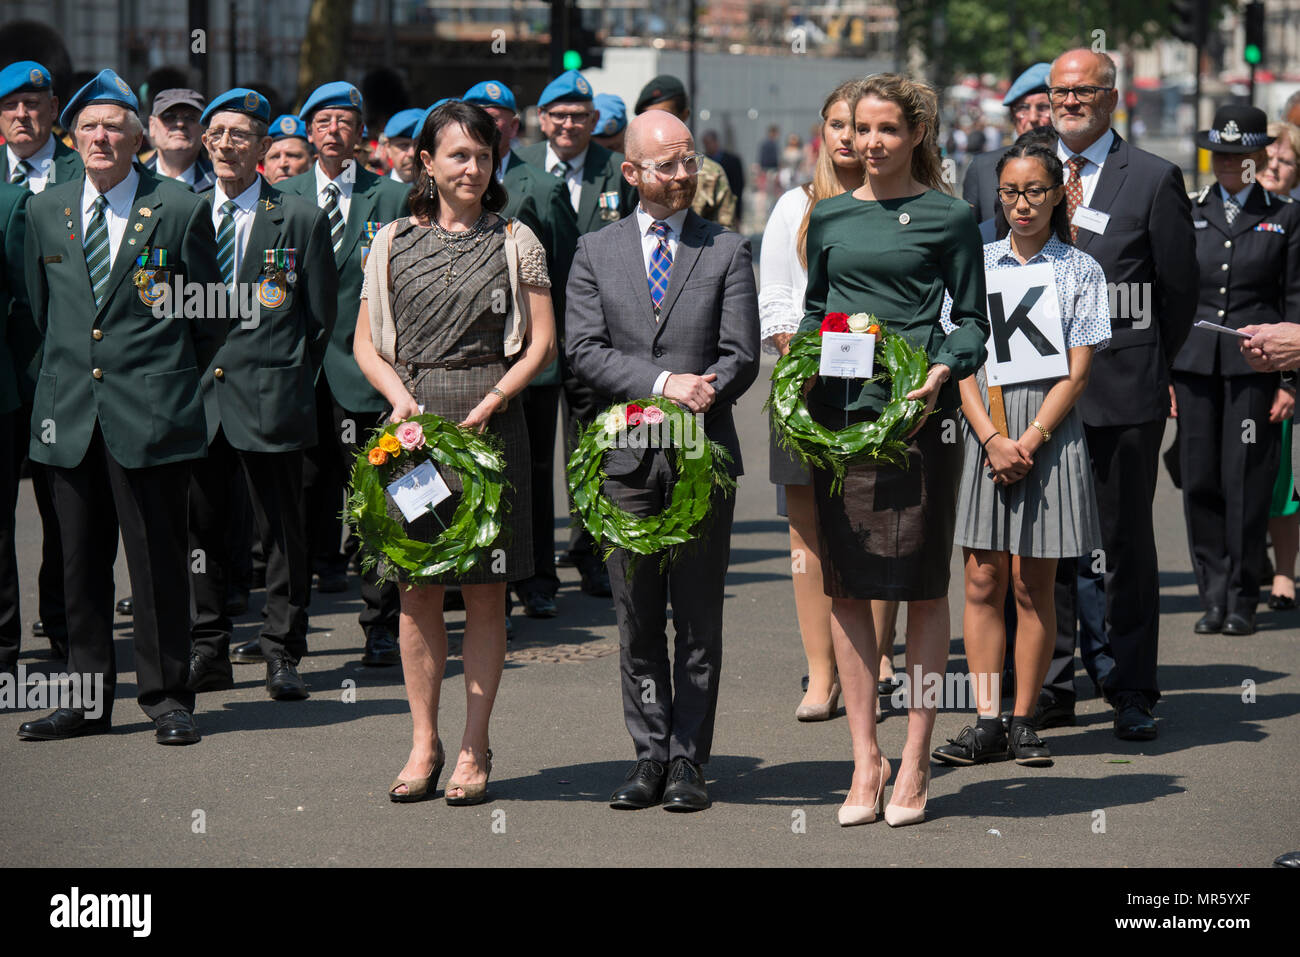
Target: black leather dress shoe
[
  {"x": 331, "y": 581},
  {"x": 1239, "y": 624},
  {"x": 209, "y": 674},
  {"x": 684, "y": 789},
  {"x": 247, "y": 653},
  {"x": 1133, "y": 720},
  {"x": 973, "y": 746},
  {"x": 595, "y": 581},
  {"x": 1027, "y": 748},
  {"x": 64, "y": 723},
  {"x": 283, "y": 682},
  {"x": 1289, "y": 859},
  {"x": 176, "y": 727},
  {"x": 537, "y": 605},
  {"x": 126, "y": 607},
  {"x": 1211, "y": 622},
  {"x": 381, "y": 649},
  {"x": 1281, "y": 602},
  {"x": 643, "y": 786},
  {"x": 1054, "y": 711},
  {"x": 236, "y": 602}
]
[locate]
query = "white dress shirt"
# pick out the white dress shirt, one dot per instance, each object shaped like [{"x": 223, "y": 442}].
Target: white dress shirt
[
  {"x": 41, "y": 162},
  {"x": 186, "y": 176},
  {"x": 649, "y": 241},
  {"x": 392, "y": 174},
  {"x": 784, "y": 279},
  {"x": 1095, "y": 155},
  {"x": 245, "y": 207},
  {"x": 1239, "y": 197},
  {"x": 573, "y": 177},
  {"x": 344, "y": 181},
  {"x": 118, "y": 211}
]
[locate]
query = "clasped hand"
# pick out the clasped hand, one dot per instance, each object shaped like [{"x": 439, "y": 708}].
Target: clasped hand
[
  {"x": 694, "y": 392},
  {"x": 1009, "y": 460}
]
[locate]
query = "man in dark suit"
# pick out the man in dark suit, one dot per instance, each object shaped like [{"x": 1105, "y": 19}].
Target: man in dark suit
[
  {"x": 102, "y": 253},
  {"x": 15, "y": 340},
  {"x": 275, "y": 255},
  {"x": 599, "y": 195},
  {"x": 1131, "y": 214},
  {"x": 356, "y": 203},
  {"x": 1026, "y": 102},
  {"x": 175, "y": 130},
  {"x": 663, "y": 303}
]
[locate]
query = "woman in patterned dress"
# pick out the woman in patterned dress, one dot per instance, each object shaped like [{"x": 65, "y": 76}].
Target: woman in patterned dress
[{"x": 460, "y": 355}]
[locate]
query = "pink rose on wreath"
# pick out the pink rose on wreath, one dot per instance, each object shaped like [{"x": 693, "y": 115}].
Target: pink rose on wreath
[
  {"x": 410, "y": 435},
  {"x": 634, "y": 414},
  {"x": 652, "y": 415}
]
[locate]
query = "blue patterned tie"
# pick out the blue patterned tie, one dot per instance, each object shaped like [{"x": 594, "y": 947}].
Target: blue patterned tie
[
  {"x": 661, "y": 266},
  {"x": 98, "y": 251},
  {"x": 226, "y": 242},
  {"x": 334, "y": 215}
]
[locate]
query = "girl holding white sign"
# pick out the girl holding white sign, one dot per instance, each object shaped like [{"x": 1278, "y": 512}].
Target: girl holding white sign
[{"x": 1026, "y": 495}]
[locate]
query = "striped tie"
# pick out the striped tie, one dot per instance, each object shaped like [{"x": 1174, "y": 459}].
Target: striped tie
[
  {"x": 20, "y": 173},
  {"x": 98, "y": 251},
  {"x": 1230, "y": 209},
  {"x": 560, "y": 169},
  {"x": 226, "y": 242},
  {"x": 661, "y": 266},
  {"x": 335, "y": 216}
]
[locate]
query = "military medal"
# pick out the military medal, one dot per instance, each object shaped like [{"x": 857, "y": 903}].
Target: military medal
[
  {"x": 608, "y": 203},
  {"x": 151, "y": 276},
  {"x": 271, "y": 291},
  {"x": 290, "y": 260}
]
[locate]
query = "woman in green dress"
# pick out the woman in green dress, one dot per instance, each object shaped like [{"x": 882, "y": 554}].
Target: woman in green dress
[{"x": 891, "y": 248}]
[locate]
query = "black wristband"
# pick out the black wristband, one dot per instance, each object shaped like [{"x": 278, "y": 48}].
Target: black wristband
[{"x": 984, "y": 444}]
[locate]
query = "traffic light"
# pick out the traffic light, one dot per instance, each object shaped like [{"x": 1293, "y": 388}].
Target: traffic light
[
  {"x": 1191, "y": 21},
  {"x": 584, "y": 51},
  {"x": 1254, "y": 49}
]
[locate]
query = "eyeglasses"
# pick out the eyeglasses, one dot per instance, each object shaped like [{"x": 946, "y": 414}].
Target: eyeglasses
[
  {"x": 237, "y": 137},
  {"x": 324, "y": 123},
  {"x": 1034, "y": 195},
  {"x": 1041, "y": 109},
  {"x": 690, "y": 163},
  {"x": 1084, "y": 94},
  {"x": 562, "y": 119}
]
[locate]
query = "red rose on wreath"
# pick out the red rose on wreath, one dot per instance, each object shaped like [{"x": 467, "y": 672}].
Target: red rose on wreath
[
  {"x": 835, "y": 322},
  {"x": 634, "y": 415}
]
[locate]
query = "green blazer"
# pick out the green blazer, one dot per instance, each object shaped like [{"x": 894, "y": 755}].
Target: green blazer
[
  {"x": 265, "y": 398},
  {"x": 601, "y": 173},
  {"x": 17, "y": 337},
  {"x": 67, "y": 164},
  {"x": 148, "y": 399},
  {"x": 376, "y": 200}
]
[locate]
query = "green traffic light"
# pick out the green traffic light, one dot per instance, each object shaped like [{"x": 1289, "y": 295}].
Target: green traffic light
[
  {"x": 1252, "y": 54},
  {"x": 572, "y": 60}
]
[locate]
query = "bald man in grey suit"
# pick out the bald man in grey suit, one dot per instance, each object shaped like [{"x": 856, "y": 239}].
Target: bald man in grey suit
[{"x": 693, "y": 338}]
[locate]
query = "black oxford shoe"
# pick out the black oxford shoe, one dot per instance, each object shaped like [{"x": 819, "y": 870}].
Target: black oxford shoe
[
  {"x": 1054, "y": 711},
  {"x": 381, "y": 649},
  {"x": 595, "y": 580},
  {"x": 176, "y": 727},
  {"x": 1133, "y": 720},
  {"x": 685, "y": 790},
  {"x": 126, "y": 607},
  {"x": 209, "y": 674},
  {"x": 1211, "y": 623},
  {"x": 247, "y": 653},
  {"x": 643, "y": 787},
  {"x": 64, "y": 723},
  {"x": 538, "y": 605},
  {"x": 1239, "y": 624},
  {"x": 283, "y": 682}
]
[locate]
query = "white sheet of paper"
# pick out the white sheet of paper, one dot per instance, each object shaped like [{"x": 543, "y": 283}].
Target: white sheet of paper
[
  {"x": 1024, "y": 347},
  {"x": 1215, "y": 327},
  {"x": 847, "y": 355},
  {"x": 1091, "y": 219},
  {"x": 418, "y": 491}
]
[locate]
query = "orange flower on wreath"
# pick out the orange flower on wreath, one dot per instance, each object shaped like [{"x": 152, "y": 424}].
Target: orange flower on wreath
[{"x": 377, "y": 456}]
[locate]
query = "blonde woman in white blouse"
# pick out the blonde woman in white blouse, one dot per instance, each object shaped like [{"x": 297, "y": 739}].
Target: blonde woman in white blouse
[{"x": 783, "y": 276}]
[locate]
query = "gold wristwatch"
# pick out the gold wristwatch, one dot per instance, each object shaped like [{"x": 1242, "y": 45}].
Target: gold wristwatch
[{"x": 1047, "y": 436}]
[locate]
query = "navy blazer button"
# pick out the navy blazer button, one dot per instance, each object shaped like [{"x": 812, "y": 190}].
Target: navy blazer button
[{"x": 658, "y": 352}]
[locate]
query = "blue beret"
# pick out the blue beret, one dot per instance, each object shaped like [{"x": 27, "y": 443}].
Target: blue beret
[
  {"x": 239, "y": 100},
  {"x": 287, "y": 126},
  {"x": 338, "y": 95},
  {"x": 106, "y": 87},
  {"x": 613, "y": 114},
  {"x": 425, "y": 118},
  {"x": 1033, "y": 80},
  {"x": 24, "y": 75},
  {"x": 569, "y": 87},
  {"x": 491, "y": 93},
  {"x": 405, "y": 123}
]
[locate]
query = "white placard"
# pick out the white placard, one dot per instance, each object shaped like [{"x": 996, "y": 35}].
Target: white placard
[
  {"x": 847, "y": 355},
  {"x": 1026, "y": 339},
  {"x": 418, "y": 491},
  {"x": 1091, "y": 219}
]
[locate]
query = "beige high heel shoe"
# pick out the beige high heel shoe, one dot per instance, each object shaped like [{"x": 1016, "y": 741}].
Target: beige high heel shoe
[
  {"x": 853, "y": 814},
  {"x": 896, "y": 816},
  {"x": 470, "y": 793},
  {"x": 419, "y": 788},
  {"x": 820, "y": 712}
]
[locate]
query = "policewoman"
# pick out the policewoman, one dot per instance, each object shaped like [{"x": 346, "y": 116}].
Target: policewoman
[
  {"x": 277, "y": 265},
  {"x": 1229, "y": 416}
]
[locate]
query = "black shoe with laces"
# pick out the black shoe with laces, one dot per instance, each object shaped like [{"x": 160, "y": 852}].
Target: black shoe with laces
[
  {"x": 973, "y": 746},
  {"x": 685, "y": 790},
  {"x": 1027, "y": 748},
  {"x": 1133, "y": 720},
  {"x": 643, "y": 787}
]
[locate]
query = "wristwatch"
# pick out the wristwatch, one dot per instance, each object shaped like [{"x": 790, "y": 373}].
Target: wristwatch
[{"x": 1047, "y": 436}]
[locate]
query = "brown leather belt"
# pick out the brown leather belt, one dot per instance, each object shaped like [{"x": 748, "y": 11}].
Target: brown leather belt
[{"x": 469, "y": 363}]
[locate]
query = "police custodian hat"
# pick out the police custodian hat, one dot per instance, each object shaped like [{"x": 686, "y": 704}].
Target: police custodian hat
[
  {"x": 106, "y": 87},
  {"x": 1237, "y": 129}
]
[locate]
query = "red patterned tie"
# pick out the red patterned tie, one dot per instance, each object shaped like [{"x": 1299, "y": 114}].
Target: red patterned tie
[{"x": 1074, "y": 192}]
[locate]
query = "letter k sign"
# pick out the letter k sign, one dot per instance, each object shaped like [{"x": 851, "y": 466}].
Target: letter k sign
[{"x": 1002, "y": 327}]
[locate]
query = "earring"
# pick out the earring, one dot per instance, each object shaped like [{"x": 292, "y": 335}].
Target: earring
[{"x": 431, "y": 188}]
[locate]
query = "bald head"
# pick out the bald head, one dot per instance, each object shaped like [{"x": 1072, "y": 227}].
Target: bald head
[
  {"x": 1082, "y": 114},
  {"x": 655, "y": 132},
  {"x": 1083, "y": 60},
  {"x": 659, "y": 162}
]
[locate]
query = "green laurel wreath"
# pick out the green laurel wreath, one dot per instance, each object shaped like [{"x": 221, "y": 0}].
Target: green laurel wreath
[
  {"x": 682, "y": 519},
  {"x": 883, "y": 440},
  {"x": 474, "y": 526}
]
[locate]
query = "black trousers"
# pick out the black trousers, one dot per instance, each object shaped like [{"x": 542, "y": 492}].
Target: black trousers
[
  {"x": 1229, "y": 459},
  {"x": 1084, "y": 593},
  {"x": 669, "y": 711},
  {"x": 1124, "y": 463},
  {"x": 149, "y": 504},
  {"x": 274, "y": 483},
  {"x": 541, "y": 405}
]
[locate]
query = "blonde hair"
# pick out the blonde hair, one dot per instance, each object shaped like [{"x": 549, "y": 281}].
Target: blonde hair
[
  {"x": 1292, "y": 134},
  {"x": 920, "y": 107},
  {"x": 825, "y": 183}
]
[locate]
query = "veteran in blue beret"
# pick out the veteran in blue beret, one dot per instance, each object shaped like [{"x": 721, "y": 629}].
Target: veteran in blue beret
[
  {"x": 398, "y": 142},
  {"x": 33, "y": 157},
  {"x": 290, "y": 153},
  {"x": 611, "y": 124},
  {"x": 1027, "y": 105},
  {"x": 356, "y": 204},
  {"x": 118, "y": 412},
  {"x": 275, "y": 256}
]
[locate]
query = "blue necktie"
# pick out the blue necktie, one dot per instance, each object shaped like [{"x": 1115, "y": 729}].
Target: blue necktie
[
  {"x": 98, "y": 251},
  {"x": 226, "y": 243},
  {"x": 661, "y": 266}
]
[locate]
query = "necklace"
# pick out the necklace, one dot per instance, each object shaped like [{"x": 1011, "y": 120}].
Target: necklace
[{"x": 459, "y": 243}]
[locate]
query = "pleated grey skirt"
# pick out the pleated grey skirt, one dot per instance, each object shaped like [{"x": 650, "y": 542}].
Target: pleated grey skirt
[{"x": 1052, "y": 511}]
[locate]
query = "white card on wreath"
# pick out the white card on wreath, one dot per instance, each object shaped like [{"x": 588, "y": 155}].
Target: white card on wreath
[
  {"x": 418, "y": 491},
  {"x": 1026, "y": 338},
  {"x": 847, "y": 355}
]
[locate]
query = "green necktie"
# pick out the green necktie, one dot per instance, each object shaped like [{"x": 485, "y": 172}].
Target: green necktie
[
  {"x": 335, "y": 216},
  {"x": 98, "y": 251},
  {"x": 19, "y": 176}
]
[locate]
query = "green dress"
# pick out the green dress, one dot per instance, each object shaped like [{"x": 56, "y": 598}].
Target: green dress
[{"x": 889, "y": 535}]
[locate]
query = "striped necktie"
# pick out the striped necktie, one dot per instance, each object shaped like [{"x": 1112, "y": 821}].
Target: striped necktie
[
  {"x": 226, "y": 242},
  {"x": 661, "y": 266},
  {"x": 19, "y": 176},
  {"x": 1231, "y": 208},
  {"x": 560, "y": 169},
  {"x": 98, "y": 251},
  {"x": 335, "y": 216},
  {"x": 1074, "y": 191}
]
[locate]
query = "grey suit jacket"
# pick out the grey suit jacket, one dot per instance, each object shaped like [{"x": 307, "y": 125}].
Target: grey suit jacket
[
  {"x": 708, "y": 318},
  {"x": 980, "y": 185}
]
